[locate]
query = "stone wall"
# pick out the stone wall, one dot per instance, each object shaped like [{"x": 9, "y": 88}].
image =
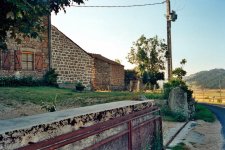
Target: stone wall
[
  {"x": 101, "y": 75},
  {"x": 71, "y": 62},
  {"x": 19, "y": 132},
  {"x": 107, "y": 74},
  {"x": 31, "y": 45},
  {"x": 117, "y": 77}
]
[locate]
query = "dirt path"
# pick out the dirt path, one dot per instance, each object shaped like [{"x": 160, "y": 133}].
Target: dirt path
[
  {"x": 205, "y": 136},
  {"x": 13, "y": 109}
]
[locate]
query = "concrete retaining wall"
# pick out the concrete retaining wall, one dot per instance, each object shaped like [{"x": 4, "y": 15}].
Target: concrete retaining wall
[{"x": 18, "y": 132}]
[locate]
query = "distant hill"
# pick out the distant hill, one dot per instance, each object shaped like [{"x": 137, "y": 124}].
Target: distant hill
[{"x": 207, "y": 79}]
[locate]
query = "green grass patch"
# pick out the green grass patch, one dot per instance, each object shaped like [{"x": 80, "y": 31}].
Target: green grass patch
[
  {"x": 154, "y": 95},
  {"x": 180, "y": 146},
  {"x": 168, "y": 115},
  {"x": 66, "y": 97},
  {"x": 202, "y": 113}
]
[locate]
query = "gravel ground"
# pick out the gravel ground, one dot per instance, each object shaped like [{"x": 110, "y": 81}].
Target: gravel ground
[
  {"x": 15, "y": 109},
  {"x": 200, "y": 135}
]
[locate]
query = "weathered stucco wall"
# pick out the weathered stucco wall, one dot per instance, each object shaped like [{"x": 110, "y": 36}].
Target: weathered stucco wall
[
  {"x": 19, "y": 132},
  {"x": 71, "y": 62}
]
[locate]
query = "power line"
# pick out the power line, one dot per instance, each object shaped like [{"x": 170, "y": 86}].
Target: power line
[{"x": 135, "y": 5}]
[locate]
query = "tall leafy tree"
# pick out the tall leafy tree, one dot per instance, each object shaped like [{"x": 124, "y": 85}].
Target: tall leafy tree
[
  {"x": 26, "y": 17},
  {"x": 148, "y": 54}
]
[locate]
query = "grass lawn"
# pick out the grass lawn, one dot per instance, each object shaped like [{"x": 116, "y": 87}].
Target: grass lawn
[
  {"x": 180, "y": 146},
  {"x": 202, "y": 113},
  {"x": 66, "y": 97}
]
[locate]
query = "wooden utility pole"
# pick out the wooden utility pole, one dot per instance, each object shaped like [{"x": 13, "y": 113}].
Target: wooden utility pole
[{"x": 169, "y": 43}]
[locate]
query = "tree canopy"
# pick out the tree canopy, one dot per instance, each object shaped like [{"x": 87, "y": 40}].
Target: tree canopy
[
  {"x": 148, "y": 54},
  {"x": 180, "y": 72},
  {"x": 26, "y": 17}
]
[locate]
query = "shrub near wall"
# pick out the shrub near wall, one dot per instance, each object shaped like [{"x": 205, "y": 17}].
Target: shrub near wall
[
  {"x": 13, "y": 81},
  {"x": 49, "y": 79}
]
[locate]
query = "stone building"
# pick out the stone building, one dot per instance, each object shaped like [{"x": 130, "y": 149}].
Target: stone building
[
  {"x": 107, "y": 74},
  {"x": 34, "y": 57},
  {"x": 71, "y": 62},
  {"x": 29, "y": 58}
]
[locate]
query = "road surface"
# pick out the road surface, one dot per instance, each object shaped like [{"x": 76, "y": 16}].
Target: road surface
[{"x": 220, "y": 113}]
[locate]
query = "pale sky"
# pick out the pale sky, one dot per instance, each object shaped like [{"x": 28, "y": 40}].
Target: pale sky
[{"x": 198, "y": 35}]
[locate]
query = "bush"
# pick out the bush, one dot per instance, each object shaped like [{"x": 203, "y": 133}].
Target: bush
[
  {"x": 50, "y": 78},
  {"x": 130, "y": 75},
  {"x": 13, "y": 81},
  {"x": 169, "y": 115},
  {"x": 150, "y": 79},
  {"x": 79, "y": 86},
  {"x": 153, "y": 95},
  {"x": 167, "y": 87},
  {"x": 180, "y": 146}
]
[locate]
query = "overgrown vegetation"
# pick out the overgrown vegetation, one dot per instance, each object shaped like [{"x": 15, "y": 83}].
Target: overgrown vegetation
[
  {"x": 202, "y": 113},
  {"x": 50, "y": 106},
  {"x": 66, "y": 97},
  {"x": 169, "y": 115},
  {"x": 180, "y": 146},
  {"x": 154, "y": 95},
  {"x": 130, "y": 75},
  {"x": 148, "y": 54},
  {"x": 177, "y": 81},
  {"x": 179, "y": 72},
  {"x": 13, "y": 81},
  {"x": 167, "y": 87},
  {"x": 79, "y": 86},
  {"x": 49, "y": 79},
  {"x": 150, "y": 80}
]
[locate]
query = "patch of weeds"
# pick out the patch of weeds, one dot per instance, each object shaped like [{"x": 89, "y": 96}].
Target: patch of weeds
[
  {"x": 50, "y": 107},
  {"x": 69, "y": 94},
  {"x": 79, "y": 86},
  {"x": 24, "y": 114},
  {"x": 169, "y": 115},
  {"x": 202, "y": 113},
  {"x": 180, "y": 146},
  {"x": 9, "y": 104},
  {"x": 153, "y": 95}
]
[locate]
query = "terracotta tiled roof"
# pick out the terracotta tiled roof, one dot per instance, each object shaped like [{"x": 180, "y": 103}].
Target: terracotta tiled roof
[{"x": 100, "y": 57}]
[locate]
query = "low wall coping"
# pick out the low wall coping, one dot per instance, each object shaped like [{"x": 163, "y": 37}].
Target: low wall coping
[{"x": 48, "y": 118}]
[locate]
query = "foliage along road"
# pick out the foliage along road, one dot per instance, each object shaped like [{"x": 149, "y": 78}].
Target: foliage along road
[{"x": 219, "y": 111}]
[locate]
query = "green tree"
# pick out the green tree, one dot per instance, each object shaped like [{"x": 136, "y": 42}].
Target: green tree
[
  {"x": 180, "y": 72},
  {"x": 150, "y": 79},
  {"x": 148, "y": 54},
  {"x": 118, "y": 61},
  {"x": 26, "y": 17}
]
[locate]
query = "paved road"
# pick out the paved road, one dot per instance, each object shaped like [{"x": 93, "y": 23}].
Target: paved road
[{"x": 220, "y": 113}]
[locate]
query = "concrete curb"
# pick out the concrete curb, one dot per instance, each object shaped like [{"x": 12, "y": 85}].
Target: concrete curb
[{"x": 173, "y": 137}]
